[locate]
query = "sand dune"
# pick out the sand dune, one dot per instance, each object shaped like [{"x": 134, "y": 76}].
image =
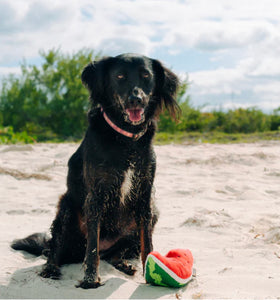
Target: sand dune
[{"x": 220, "y": 201}]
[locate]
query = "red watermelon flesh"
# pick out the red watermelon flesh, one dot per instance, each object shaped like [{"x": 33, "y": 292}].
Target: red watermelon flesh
[{"x": 179, "y": 261}]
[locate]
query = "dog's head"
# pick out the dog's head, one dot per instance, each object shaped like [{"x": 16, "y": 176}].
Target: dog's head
[{"x": 131, "y": 88}]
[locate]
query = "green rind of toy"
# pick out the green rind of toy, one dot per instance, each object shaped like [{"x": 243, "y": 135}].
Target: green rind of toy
[{"x": 157, "y": 273}]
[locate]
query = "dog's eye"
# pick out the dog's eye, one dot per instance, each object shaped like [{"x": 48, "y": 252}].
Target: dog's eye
[
  {"x": 120, "y": 76},
  {"x": 146, "y": 75}
]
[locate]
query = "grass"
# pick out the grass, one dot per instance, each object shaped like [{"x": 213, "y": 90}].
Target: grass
[
  {"x": 8, "y": 136},
  {"x": 214, "y": 137}
]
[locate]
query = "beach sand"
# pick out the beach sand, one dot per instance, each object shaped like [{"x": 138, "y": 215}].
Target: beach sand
[{"x": 220, "y": 201}]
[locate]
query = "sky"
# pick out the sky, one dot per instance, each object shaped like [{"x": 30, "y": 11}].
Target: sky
[{"x": 229, "y": 50}]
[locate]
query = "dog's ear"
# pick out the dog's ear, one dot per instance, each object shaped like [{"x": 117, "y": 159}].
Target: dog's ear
[
  {"x": 89, "y": 75},
  {"x": 93, "y": 77},
  {"x": 166, "y": 88}
]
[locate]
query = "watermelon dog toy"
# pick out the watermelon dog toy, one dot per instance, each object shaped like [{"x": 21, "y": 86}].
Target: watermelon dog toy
[{"x": 174, "y": 269}]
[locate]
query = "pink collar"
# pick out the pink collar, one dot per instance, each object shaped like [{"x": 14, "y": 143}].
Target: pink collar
[{"x": 134, "y": 136}]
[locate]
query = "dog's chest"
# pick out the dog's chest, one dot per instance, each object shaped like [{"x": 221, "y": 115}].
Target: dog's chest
[{"x": 127, "y": 184}]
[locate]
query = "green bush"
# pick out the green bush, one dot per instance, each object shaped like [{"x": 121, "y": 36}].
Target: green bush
[
  {"x": 8, "y": 136},
  {"x": 246, "y": 121},
  {"x": 48, "y": 98},
  {"x": 275, "y": 120},
  {"x": 240, "y": 120}
]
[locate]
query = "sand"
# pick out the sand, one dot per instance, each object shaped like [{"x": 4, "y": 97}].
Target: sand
[{"x": 220, "y": 201}]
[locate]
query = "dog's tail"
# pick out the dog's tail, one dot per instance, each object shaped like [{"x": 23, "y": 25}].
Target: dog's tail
[{"x": 37, "y": 244}]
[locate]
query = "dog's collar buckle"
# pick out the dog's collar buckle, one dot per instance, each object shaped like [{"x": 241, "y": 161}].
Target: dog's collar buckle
[
  {"x": 137, "y": 136},
  {"x": 134, "y": 136}
]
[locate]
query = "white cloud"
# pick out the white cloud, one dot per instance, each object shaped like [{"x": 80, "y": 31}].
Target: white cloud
[
  {"x": 242, "y": 34},
  {"x": 271, "y": 87},
  {"x": 175, "y": 24},
  {"x": 5, "y": 71},
  {"x": 266, "y": 106},
  {"x": 115, "y": 46},
  {"x": 268, "y": 66},
  {"x": 229, "y": 88},
  {"x": 220, "y": 81},
  {"x": 269, "y": 93}
]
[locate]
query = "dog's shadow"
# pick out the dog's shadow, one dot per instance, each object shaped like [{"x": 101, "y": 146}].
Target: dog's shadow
[
  {"x": 26, "y": 283},
  {"x": 147, "y": 291}
]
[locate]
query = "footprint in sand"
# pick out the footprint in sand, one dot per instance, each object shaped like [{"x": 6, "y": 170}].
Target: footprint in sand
[
  {"x": 273, "y": 235},
  {"x": 209, "y": 218},
  {"x": 18, "y": 148},
  {"x": 16, "y": 212}
]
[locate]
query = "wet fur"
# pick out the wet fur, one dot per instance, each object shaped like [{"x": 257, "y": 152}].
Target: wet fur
[{"x": 107, "y": 213}]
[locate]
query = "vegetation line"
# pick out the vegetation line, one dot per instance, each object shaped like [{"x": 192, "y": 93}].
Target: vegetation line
[{"x": 49, "y": 103}]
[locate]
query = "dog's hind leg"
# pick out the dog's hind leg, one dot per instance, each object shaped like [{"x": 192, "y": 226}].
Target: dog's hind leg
[
  {"x": 126, "y": 248},
  {"x": 67, "y": 244}
]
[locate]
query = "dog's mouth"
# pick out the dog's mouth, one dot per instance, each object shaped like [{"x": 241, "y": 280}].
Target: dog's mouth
[{"x": 135, "y": 115}]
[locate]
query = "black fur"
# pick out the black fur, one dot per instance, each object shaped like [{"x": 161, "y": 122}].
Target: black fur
[
  {"x": 35, "y": 243},
  {"x": 95, "y": 217}
]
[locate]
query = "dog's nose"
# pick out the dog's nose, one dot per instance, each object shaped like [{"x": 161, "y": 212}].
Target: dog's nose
[
  {"x": 135, "y": 97},
  {"x": 134, "y": 100}
]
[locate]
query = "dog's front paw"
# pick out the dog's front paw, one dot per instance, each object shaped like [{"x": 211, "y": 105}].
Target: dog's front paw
[
  {"x": 50, "y": 271},
  {"x": 125, "y": 268},
  {"x": 88, "y": 284}
]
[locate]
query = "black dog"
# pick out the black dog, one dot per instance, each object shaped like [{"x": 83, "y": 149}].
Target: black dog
[{"x": 108, "y": 210}]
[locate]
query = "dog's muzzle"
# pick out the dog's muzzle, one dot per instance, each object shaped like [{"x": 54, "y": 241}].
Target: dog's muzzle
[{"x": 135, "y": 110}]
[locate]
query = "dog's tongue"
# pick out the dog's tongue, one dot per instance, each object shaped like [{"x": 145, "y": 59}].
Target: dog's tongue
[{"x": 135, "y": 114}]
